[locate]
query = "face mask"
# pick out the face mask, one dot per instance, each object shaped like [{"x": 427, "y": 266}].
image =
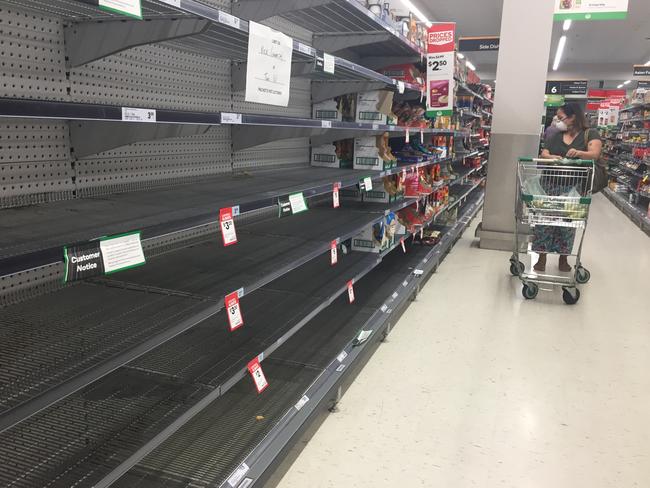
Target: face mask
[{"x": 561, "y": 125}]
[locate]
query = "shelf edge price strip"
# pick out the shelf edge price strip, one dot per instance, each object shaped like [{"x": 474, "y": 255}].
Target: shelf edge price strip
[
  {"x": 228, "y": 231},
  {"x": 233, "y": 309},
  {"x": 255, "y": 369},
  {"x": 351, "y": 291},
  {"x": 334, "y": 253}
]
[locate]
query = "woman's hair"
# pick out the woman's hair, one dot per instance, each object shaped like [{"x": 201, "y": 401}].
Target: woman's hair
[{"x": 571, "y": 109}]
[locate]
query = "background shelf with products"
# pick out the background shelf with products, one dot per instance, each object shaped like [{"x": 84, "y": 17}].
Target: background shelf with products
[{"x": 123, "y": 125}]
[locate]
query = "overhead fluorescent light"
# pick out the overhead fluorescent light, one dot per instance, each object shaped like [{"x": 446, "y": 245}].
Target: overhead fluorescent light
[
  {"x": 471, "y": 66},
  {"x": 461, "y": 56},
  {"x": 567, "y": 25},
  {"x": 559, "y": 52},
  {"x": 418, "y": 13},
  {"x": 627, "y": 82},
  {"x": 647, "y": 64},
  {"x": 620, "y": 86}
]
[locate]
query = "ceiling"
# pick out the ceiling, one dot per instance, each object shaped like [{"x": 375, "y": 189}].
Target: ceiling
[{"x": 596, "y": 50}]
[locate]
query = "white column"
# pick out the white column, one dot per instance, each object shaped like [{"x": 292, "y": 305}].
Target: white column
[{"x": 526, "y": 28}]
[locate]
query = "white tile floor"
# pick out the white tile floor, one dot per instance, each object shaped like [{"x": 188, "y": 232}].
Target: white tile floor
[{"x": 477, "y": 387}]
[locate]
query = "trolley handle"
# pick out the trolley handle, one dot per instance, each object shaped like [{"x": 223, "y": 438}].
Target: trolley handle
[{"x": 567, "y": 161}]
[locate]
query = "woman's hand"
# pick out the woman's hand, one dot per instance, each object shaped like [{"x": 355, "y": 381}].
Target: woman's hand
[{"x": 573, "y": 153}]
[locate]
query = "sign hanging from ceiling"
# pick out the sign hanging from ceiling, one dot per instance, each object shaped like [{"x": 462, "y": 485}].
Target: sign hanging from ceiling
[
  {"x": 440, "y": 69},
  {"x": 590, "y": 9},
  {"x": 641, "y": 70},
  {"x": 487, "y": 43},
  {"x": 571, "y": 87}
]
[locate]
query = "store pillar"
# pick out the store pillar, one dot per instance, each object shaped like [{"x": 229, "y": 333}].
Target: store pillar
[{"x": 526, "y": 29}]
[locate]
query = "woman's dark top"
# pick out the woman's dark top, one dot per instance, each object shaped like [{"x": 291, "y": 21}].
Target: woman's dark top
[{"x": 556, "y": 145}]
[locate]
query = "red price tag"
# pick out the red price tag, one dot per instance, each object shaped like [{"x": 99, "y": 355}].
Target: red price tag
[
  {"x": 334, "y": 254},
  {"x": 227, "y": 226},
  {"x": 336, "y": 203},
  {"x": 255, "y": 369},
  {"x": 408, "y": 136},
  {"x": 235, "y": 318},
  {"x": 403, "y": 245},
  {"x": 351, "y": 291}
]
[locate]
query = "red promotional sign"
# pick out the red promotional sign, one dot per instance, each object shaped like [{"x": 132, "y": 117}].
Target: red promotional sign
[
  {"x": 336, "y": 202},
  {"x": 255, "y": 369},
  {"x": 233, "y": 310},
  {"x": 334, "y": 255},
  {"x": 351, "y": 291},
  {"x": 228, "y": 232},
  {"x": 440, "y": 38}
]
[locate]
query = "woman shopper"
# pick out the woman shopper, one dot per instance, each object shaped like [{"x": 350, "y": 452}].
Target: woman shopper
[{"x": 575, "y": 140}]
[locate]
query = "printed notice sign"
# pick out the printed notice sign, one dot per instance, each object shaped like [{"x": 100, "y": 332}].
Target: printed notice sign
[
  {"x": 131, "y": 8},
  {"x": 328, "y": 63},
  {"x": 255, "y": 369},
  {"x": 590, "y": 9},
  {"x": 268, "y": 71},
  {"x": 122, "y": 252},
  {"x": 298, "y": 203}
]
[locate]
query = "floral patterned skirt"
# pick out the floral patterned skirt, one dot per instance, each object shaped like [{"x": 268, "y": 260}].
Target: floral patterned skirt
[{"x": 556, "y": 240}]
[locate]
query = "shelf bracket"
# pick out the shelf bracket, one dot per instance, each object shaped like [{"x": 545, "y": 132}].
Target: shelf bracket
[
  {"x": 92, "y": 137},
  {"x": 90, "y": 41},
  {"x": 335, "y": 42},
  {"x": 247, "y": 136},
  {"x": 257, "y": 10},
  {"x": 324, "y": 90}
]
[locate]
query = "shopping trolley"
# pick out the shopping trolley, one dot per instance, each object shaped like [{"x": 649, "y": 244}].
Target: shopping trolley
[{"x": 552, "y": 207}]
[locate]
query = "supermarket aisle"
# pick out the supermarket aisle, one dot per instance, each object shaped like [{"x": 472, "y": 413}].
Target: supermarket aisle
[{"x": 503, "y": 392}]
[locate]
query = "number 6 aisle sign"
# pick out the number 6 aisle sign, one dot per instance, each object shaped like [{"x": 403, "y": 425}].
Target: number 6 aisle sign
[
  {"x": 255, "y": 369},
  {"x": 228, "y": 231},
  {"x": 233, "y": 310}
]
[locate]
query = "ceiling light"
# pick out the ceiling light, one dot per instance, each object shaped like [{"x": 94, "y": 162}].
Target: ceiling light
[
  {"x": 471, "y": 66},
  {"x": 620, "y": 86},
  {"x": 647, "y": 64},
  {"x": 559, "y": 52},
  {"x": 418, "y": 13},
  {"x": 461, "y": 56},
  {"x": 567, "y": 25},
  {"x": 627, "y": 82}
]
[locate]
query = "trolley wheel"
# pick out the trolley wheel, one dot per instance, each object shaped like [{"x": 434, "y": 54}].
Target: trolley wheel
[
  {"x": 582, "y": 275},
  {"x": 516, "y": 268},
  {"x": 570, "y": 295},
  {"x": 530, "y": 290}
]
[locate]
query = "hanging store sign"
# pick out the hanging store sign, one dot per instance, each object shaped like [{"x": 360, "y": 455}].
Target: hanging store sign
[
  {"x": 351, "y": 291},
  {"x": 440, "y": 69},
  {"x": 641, "y": 70},
  {"x": 336, "y": 200},
  {"x": 233, "y": 309},
  {"x": 334, "y": 254},
  {"x": 228, "y": 232},
  {"x": 590, "y": 9},
  {"x": 645, "y": 85},
  {"x": 573, "y": 87},
  {"x": 268, "y": 71},
  {"x": 603, "y": 114},
  {"x": 489, "y": 43},
  {"x": 132, "y": 8}
]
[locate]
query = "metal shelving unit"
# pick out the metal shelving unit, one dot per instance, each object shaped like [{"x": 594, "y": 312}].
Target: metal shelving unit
[{"x": 128, "y": 380}]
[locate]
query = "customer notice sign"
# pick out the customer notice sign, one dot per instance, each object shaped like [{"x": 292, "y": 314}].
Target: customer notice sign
[{"x": 590, "y": 9}]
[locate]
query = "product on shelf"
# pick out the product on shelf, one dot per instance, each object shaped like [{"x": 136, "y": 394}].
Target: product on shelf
[
  {"x": 337, "y": 154},
  {"x": 374, "y": 106},
  {"x": 410, "y": 115},
  {"x": 404, "y": 72}
]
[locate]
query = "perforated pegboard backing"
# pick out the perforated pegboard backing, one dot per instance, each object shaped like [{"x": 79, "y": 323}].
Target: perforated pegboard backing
[
  {"x": 34, "y": 162},
  {"x": 32, "y": 55},
  {"x": 277, "y": 153},
  {"x": 155, "y": 76},
  {"x": 299, "y": 101},
  {"x": 145, "y": 165}
]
